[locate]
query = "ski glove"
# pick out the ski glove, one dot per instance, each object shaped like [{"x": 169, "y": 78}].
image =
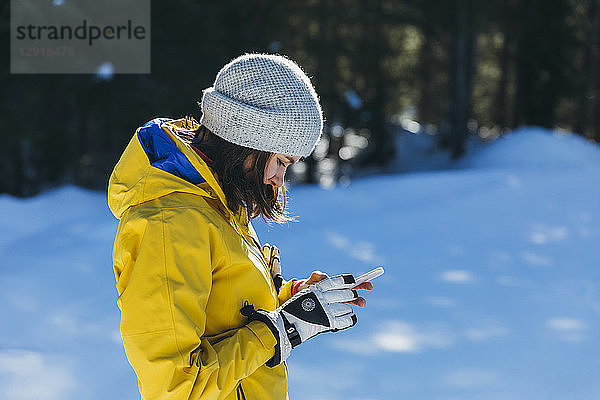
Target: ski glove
[{"x": 319, "y": 308}]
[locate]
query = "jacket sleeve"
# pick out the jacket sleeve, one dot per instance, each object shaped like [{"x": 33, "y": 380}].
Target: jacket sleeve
[
  {"x": 163, "y": 263},
  {"x": 285, "y": 293}
]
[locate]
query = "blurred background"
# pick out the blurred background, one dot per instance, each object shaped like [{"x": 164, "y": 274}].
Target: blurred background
[
  {"x": 460, "y": 152},
  {"x": 453, "y": 69}
]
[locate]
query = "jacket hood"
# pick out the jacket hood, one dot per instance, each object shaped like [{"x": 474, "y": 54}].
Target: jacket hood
[{"x": 156, "y": 163}]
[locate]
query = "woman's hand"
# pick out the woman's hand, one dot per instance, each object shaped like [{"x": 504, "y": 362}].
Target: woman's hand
[{"x": 318, "y": 276}]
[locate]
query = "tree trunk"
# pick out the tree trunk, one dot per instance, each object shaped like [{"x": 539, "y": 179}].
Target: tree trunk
[
  {"x": 501, "y": 102},
  {"x": 425, "y": 108},
  {"x": 591, "y": 126},
  {"x": 463, "y": 66},
  {"x": 385, "y": 146}
]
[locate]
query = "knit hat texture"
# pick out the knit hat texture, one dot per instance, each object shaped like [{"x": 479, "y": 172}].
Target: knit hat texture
[{"x": 264, "y": 102}]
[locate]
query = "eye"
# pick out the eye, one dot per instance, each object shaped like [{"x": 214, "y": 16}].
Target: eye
[{"x": 281, "y": 163}]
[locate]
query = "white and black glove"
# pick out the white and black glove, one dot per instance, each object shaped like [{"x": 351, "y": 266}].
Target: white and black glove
[{"x": 319, "y": 308}]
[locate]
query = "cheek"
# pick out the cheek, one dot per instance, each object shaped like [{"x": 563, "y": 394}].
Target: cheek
[{"x": 270, "y": 170}]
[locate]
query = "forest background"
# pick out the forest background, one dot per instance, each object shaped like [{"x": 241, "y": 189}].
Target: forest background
[{"x": 451, "y": 69}]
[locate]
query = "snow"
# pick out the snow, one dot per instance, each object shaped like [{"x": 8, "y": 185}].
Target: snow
[
  {"x": 491, "y": 290},
  {"x": 538, "y": 148}
]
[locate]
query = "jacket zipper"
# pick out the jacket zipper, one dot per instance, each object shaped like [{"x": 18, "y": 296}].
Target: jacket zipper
[
  {"x": 258, "y": 253},
  {"x": 253, "y": 249}
]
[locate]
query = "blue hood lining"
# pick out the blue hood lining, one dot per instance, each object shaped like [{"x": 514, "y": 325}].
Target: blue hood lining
[{"x": 164, "y": 154}]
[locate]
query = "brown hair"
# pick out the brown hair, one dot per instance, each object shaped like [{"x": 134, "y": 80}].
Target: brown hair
[{"x": 242, "y": 188}]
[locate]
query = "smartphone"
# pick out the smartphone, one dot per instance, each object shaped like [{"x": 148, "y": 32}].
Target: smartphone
[{"x": 367, "y": 276}]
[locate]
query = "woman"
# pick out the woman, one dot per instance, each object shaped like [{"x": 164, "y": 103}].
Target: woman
[{"x": 205, "y": 313}]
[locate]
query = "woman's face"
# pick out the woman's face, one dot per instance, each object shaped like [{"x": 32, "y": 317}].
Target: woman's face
[{"x": 275, "y": 168}]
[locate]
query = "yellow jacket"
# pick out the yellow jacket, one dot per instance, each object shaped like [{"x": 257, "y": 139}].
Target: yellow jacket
[{"x": 184, "y": 266}]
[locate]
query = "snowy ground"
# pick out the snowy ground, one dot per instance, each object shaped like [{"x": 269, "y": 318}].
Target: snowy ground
[{"x": 491, "y": 291}]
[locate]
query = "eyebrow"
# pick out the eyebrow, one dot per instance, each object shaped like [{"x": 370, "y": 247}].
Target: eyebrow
[{"x": 291, "y": 160}]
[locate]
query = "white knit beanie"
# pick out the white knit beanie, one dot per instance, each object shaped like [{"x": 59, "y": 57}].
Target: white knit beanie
[{"x": 264, "y": 102}]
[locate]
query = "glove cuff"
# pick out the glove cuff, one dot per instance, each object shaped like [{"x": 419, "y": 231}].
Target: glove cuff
[
  {"x": 296, "y": 286},
  {"x": 276, "y": 324},
  {"x": 291, "y": 331}
]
